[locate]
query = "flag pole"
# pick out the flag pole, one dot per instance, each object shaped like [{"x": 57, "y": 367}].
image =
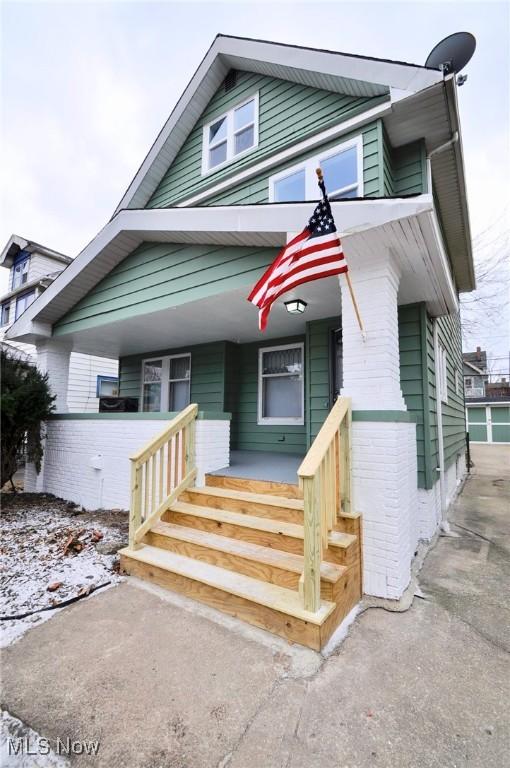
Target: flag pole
[{"x": 320, "y": 177}]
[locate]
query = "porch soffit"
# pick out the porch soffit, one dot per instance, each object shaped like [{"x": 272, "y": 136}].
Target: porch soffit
[{"x": 266, "y": 225}]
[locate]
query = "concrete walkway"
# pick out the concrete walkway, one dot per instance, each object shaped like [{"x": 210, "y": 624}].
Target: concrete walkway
[{"x": 165, "y": 686}]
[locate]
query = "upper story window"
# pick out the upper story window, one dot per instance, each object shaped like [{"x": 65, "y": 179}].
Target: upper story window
[
  {"x": 19, "y": 271},
  {"x": 230, "y": 135},
  {"x": 22, "y": 302},
  {"x": 343, "y": 173},
  {"x": 166, "y": 383}
]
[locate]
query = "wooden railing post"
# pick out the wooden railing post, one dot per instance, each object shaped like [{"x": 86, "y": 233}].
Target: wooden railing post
[
  {"x": 135, "y": 509},
  {"x": 312, "y": 546},
  {"x": 325, "y": 477}
]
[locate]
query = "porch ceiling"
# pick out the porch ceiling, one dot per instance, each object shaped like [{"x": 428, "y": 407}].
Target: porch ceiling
[
  {"x": 228, "y": 316},
  {"x": 407, "y": 227}
]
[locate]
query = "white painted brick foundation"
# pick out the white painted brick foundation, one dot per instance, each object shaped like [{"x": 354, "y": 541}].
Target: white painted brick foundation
[
  {"x": 385, "y": 493},
  {"x": 72, "y": 444}
]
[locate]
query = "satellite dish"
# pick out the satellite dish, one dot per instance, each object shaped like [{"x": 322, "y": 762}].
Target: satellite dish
[{"x": 453, "y": 53}]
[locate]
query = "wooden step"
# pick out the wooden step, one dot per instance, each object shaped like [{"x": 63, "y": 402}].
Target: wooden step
[
  {"x": 269, "y": 606},
  {"x": 266, "y": 532},
  {"x": 259, "y": 504},
  {"x": 271, "y": 565},
  {"x": 288, "y": 490}
]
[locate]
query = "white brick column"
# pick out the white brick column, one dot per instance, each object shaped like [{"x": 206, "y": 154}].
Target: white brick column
[
  {"x": 53, "y": 358},
  {"x": 383, "y": 440},
  {"x": 371, "y": 368}
]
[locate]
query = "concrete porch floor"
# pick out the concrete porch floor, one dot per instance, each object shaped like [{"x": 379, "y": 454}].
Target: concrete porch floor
[
  {"x": 163, "y": 682},
  {"x": 262, "y": 465}
]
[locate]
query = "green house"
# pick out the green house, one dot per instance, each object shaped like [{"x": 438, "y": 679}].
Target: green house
[{"x": 163, "y": 288}]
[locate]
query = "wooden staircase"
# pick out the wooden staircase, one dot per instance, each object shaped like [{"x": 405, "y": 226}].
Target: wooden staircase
[{"x": 239, "y": 546}]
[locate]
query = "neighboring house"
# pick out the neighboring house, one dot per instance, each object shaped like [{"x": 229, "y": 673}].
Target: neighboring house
[
  {"x": 32, "y": 268},
  {"x": 163, "y": 287},
  {"x": 488, "y": 415},
  {"x": 475, "y": 373}
]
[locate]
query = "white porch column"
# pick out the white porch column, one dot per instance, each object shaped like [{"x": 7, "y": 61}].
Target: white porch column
[
  {"x": 371, "y": 368},
  {"x": 384, "y": 470},
  {"x": 53, "y": 358}
]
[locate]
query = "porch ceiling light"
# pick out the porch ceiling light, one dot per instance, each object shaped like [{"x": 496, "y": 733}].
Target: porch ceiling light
[{"x": 295, "y": 306}]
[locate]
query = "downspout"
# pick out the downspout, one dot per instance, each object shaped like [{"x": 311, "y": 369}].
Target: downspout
[
  {"x": 444, "y": 146},
  {"x": 440, "y": 444}
]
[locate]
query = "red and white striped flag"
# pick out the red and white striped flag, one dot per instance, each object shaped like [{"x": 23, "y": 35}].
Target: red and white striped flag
[{"x": 315, "y": 253}]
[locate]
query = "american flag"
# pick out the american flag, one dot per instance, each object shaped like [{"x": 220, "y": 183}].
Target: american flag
[{"x": 315, "y": 253}]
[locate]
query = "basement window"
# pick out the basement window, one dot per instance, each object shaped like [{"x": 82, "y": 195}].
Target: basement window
[
  {"x": 342, "y": 168},
  {"x": 166, "y": 383},
  {"x": 281, "y": 385},
  {"x": 231, "y": 135}
]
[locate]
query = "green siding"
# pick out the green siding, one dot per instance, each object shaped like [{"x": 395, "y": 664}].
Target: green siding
[
  {"x": 161, "y": 275},
  {"x": 207, "y": 374},
  {"x": 454, "y": 418},
  {"x": 410, "y": 320},
  {"x": 246, "y": 434},
  {"x": 404, "y": 168},
  {"x": 318, "y": 352},
  {"x": 288, "y": 112}
]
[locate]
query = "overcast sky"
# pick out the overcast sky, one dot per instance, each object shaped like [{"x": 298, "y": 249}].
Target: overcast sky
[{"x": 87, "y": 86}]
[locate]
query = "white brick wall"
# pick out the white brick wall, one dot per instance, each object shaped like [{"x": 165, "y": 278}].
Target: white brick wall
[
  {"x": 372, "y": 367},
  {"x": 72, "y": 444},
  {"x": 429, "y": 501},
  {"x": 385, "y": 492},
  {"x": 53, "y": 359}
]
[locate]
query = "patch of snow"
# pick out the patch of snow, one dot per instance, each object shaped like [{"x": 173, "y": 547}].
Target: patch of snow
[
  {"x": 22, "y": 747},
  {"x": 33, "y": 558}
]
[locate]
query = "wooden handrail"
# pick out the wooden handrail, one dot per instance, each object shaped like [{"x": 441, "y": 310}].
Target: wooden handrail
[
  {"x": 315, "y": 455},
  {"x": 325, "y": 477},
  {"x": 183, "y": 418},
  {"x": 160, "y": 472}
]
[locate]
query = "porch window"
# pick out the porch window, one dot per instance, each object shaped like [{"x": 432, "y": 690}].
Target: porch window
[
  {"x": 152, "y": 370},
  {"x": 342, "y": 167},
  {"x": 179, "y": 383},
  {"x": 281, "y": 385},
  {"x": 230, "y": 135},
  {"x": 166, "y": 383}
]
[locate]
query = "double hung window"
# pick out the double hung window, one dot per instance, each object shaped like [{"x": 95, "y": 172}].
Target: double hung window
[
  {"x": 230, "y": 135},
  {"x": 281, "y": 385}
]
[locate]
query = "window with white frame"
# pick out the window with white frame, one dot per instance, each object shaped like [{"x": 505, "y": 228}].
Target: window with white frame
[
  {"x": 231, "y": 135},
  {"x": 342, "y": 168},
  {"x": 281, "y": 385},
  {"x": 166, "y": 383},
  {"x": 20, "y": 272},
  {"x": 442, "y": 375}
]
